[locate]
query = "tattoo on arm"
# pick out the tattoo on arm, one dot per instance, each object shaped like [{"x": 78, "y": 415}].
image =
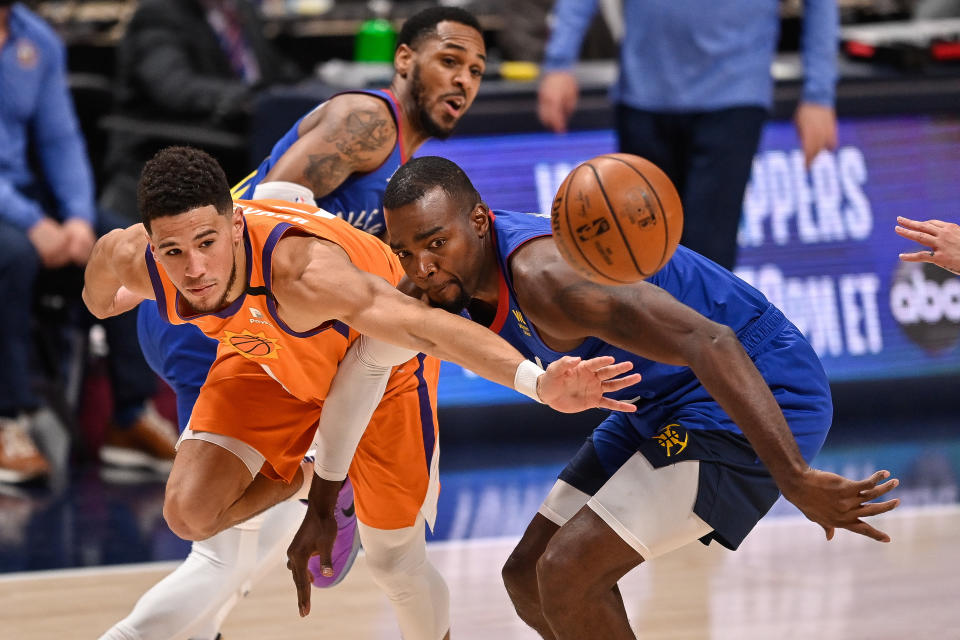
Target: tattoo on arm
[
  {"x": 324, "y": 173},
  {"x": 363, "y": 133}
]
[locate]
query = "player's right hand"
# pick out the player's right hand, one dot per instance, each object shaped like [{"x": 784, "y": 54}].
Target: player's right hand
[
  {"x": 557, "y": 99},
  {"x": 315, "y": 537}
]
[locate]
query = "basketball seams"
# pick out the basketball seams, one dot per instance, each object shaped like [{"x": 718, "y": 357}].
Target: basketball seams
[
  {"x": 616, "y": 220},
  {"x": 634, "y": 201},
  {"x": 570, "y": 231},
  {"x": 663, "y": 215}
]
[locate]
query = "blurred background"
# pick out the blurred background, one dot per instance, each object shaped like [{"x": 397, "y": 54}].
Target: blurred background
[{"x": 819, "y": 241}]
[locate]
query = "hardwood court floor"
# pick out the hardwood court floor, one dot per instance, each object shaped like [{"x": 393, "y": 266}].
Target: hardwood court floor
[{"x": 785, "y": 582}]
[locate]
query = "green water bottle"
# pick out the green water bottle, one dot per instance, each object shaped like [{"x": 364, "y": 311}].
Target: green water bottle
[{"x": 375, "y": 41}]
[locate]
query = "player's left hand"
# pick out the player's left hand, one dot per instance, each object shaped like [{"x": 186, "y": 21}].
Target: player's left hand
[
  {"x": 315, "y": 537},
  {"x": 942, "y": 238},
  {"x": 833, "y": 501},
  {"x": 816, "y": 127},
  {"x": 572, "y": 384}
]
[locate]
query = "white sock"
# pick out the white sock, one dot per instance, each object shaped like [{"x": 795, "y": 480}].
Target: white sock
[
  {"x": 193, "y": 601},
  {"x": 397, "y": 560}
]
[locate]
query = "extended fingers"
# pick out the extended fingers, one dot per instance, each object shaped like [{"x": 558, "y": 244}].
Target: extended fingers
[
  {"x": 865, "y": 529},
  {"x": 620, "y": 383},
  {"x": 613, "y": 370},
  {"x": 302, "y": 580},
  {"x": 875, "y": 478},
  {"x": 928, "y": 226},
  {"x": 922, "y": 237},
  {"x": 919, "y": 256},
  {"x": 875, "y": 492},
  {"x": 600, "y": 362},
  {"x": 876, "y": 508},
  {"x": 616, "y": 405}
]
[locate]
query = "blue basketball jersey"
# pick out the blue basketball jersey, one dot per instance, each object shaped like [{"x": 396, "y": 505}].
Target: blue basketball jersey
[
  {"x": 358, "y": 199},
  {"x": 692, "y": 279}
]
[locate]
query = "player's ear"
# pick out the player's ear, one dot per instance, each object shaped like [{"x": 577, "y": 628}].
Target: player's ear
[
  {"x": 480, "y": 219},
  {"x": 403, "y": 60},
  {"x": 153, "y": 249},
  {"x": 237, "y": 223}
]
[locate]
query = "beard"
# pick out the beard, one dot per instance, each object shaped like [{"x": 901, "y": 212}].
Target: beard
[
  {"x": 456, "y": 305},
  {"x": 222, "y": 302},
  {"x": 430, "y": 126}
]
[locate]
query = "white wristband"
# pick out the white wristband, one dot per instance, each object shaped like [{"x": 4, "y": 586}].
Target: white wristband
[{"x": 525, "y": 379}]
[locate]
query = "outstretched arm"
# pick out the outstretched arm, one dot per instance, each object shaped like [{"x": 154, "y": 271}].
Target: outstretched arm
[
  {"x": 116, "y": 277},
  {"x": 648, "y": 321},
  {"x": 942, "y": 238},
  {"x": 319, "y": 283}
]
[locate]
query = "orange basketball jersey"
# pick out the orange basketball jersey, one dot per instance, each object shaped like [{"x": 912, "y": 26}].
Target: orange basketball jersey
[
  {"x": 395, "y": 468},
  {"x": 303, "y": 362}
]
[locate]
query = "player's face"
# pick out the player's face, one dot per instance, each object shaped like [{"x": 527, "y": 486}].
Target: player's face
[
  {"x": 439, "y": 248},
  {"x": 445, "y": 76},
  {"x": 199, "y": 251}
]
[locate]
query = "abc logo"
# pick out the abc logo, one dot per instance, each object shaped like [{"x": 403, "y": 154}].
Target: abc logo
[{"x": 925, "y": 301}]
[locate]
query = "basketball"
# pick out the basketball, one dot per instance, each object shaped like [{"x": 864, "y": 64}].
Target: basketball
[{"x": 617, "y": 219}]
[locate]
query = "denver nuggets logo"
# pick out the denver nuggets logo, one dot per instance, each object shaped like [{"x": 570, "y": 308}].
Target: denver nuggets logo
[
  {"x": 669, "y": 438},
  {"x": 521, "y": 322},
  {"x": 252, "y": 345}
]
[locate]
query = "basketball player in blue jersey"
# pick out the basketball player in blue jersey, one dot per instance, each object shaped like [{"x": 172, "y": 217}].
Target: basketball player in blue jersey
[
  {"x": 732, "y": 405},
  {"x": 340, "y": 157}
]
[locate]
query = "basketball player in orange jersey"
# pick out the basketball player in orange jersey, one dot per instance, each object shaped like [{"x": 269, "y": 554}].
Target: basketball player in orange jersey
[
  {"x": 340, "y": 155},
  {"x": 732, "y": 407},
  {"x": 278, "y": 288}
]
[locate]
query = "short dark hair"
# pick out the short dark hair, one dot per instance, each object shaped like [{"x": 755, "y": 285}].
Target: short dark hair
[
  {"x": 178, "y": 179},
  {"x": 415, "y": 178},
  {"x": 424, "y": 24}
]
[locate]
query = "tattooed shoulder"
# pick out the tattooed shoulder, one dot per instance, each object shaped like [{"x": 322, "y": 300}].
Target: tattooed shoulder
[{"x": 363, "y": 132}]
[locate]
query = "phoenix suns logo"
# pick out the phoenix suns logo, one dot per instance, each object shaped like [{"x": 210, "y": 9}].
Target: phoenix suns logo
[{"x": 252, "y": 345}]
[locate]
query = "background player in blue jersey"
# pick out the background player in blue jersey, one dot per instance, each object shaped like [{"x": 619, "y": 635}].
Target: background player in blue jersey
[
  {"x": 732, "y": 406},
  {"x": 339, "y": 156}
]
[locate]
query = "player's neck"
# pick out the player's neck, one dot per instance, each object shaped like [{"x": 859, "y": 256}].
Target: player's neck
[
  {"x": 488, "y": 287},
  {"x": 413, "y": 134},
  {"x": 239, "y": 285}
]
